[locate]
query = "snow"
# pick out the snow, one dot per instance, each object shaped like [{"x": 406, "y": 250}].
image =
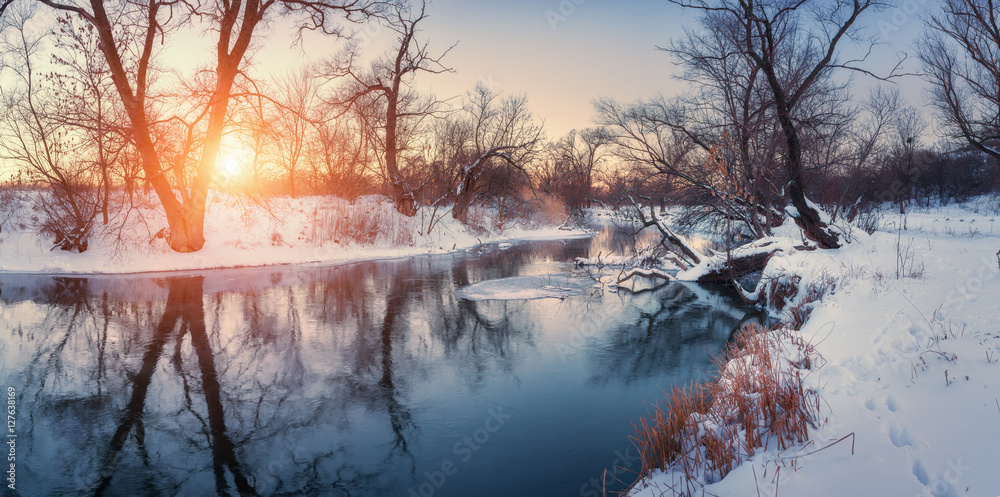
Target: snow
[
  {"x": 906, "y": 324},
  {"x": 718, "y": 259},
  {"x": 527, "y": 287},
  {"x": 242, "y": 233}
]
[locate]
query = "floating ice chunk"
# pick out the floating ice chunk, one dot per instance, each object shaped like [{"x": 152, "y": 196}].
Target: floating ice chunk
[{"x": 527, "y": 287}]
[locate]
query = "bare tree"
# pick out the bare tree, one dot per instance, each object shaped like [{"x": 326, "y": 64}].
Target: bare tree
[
  {"x": 909, "y": 127},
  {"x": 726, "y": 131},
  {"x": 87, "y": 100},
  {"x": 868, "y": 143},
  {"x": 962, "y": 64},
  {"x": 143, "y": 24},
  {"x": 390, "y": 80},
  {"x": 343, "y": 153},
  {"x": 729, "y": 114},
  {"x": 35, "y": 137},
  {"x": 577, "y": 157},
  {"x": 292, "y": 123},
  {"x": 451, "y": 147},
  {"x": 505, "y": 137},
  {"x": 793, "y": 43}
]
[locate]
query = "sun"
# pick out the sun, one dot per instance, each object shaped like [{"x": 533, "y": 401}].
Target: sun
[
  {"x": 231, "y": 166},
  {"x": 232, "y": 163}
]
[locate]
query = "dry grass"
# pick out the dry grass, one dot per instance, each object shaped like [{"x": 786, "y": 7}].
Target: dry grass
[
  {"x": 781, "y": 290},
  {"x": 757, "y": 402},
  {"x": 366, "y": 222}
]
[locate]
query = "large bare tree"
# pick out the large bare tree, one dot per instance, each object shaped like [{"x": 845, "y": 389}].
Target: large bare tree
[
  {"x": 576, "y": 158},
  {"x": 134, "y": 29},
  {"x": 39, "y": 136},
  {"x": 390, "y": 80},
  {"x": 293, "y": 124},
  {"x": 961, "y": 61},
  {"x": 794, "y": 44}
]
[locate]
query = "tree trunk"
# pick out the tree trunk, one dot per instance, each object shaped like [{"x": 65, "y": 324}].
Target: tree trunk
[
  {"x": 737, "y": 267},
  {"x": 465, "y": 194},
  {"x": 187, "y": 227},
  {"x": 461, "y": 209},
  {"x": 401, "y": 194},
  {"x": 807, "y": 218}
]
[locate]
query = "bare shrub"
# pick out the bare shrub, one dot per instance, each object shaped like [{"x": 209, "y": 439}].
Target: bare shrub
[
  {"x": 68, "y": 215},
  {"x": 869, "y": 219},
  {"x": 799, "y": 313}
]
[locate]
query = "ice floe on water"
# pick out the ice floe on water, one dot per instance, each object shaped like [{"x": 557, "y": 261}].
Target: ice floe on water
[{"x": 527, "y": 287}]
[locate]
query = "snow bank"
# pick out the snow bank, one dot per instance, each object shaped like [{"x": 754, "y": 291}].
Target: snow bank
[
  {"x": 906, "y": 321},
  {"x": 242, "y": 233}
]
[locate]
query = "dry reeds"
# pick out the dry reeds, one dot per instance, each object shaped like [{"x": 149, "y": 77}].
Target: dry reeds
[
  {"x": 758, "y": 402},
  {"x": 366, "y": 222}
]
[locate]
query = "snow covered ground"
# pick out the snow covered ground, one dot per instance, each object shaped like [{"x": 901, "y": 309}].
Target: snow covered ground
[
  {"x": 241, "y": 233},
  {"x": 909, "y": 334}
]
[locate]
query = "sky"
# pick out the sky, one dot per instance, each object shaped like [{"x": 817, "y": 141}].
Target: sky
[
  {"x": 561, "y": 53},
  {"x": 565, "y": 53}
]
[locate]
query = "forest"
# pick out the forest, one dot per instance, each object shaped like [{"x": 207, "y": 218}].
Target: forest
[{"x": 93, "y": 114}]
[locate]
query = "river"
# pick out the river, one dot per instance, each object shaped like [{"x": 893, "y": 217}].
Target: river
[{"x": 365, "y": 379}]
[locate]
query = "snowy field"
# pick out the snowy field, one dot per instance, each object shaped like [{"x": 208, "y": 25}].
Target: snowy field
[
  {"x": 908, "y": 332},
  {"x": 239, "y": 233}
]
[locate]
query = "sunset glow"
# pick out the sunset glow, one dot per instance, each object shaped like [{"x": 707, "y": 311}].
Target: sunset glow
[{"x": 457, "y": 248}]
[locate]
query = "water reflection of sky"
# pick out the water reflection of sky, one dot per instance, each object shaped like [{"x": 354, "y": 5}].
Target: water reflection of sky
[{"x": 365, "y": 379}]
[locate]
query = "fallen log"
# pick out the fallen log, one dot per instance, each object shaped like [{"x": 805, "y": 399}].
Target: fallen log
[{"x": 736, "y": 267}]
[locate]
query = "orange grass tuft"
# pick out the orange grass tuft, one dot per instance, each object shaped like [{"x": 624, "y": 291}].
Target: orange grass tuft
[{"x": 756, "y": 401}]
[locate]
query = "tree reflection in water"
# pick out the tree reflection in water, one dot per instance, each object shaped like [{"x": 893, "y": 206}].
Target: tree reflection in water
[{"x": 353, "y": 380}]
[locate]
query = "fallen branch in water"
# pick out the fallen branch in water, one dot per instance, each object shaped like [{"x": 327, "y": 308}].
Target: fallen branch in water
[{"x": 649, "y": 273}]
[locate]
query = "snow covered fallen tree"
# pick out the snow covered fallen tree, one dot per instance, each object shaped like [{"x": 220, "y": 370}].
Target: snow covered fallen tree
[{"x": 727, "y": 267}]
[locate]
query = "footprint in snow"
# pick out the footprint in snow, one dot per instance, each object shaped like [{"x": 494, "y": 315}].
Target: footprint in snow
[
  {"x": 899, "y": 436},
  {"x": 920, "y": 472}
]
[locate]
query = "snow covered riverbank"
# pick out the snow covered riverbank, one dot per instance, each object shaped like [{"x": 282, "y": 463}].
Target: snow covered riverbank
[
  {"x": 909, "y": 333},
  {"x": 240, "y": 233}
]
